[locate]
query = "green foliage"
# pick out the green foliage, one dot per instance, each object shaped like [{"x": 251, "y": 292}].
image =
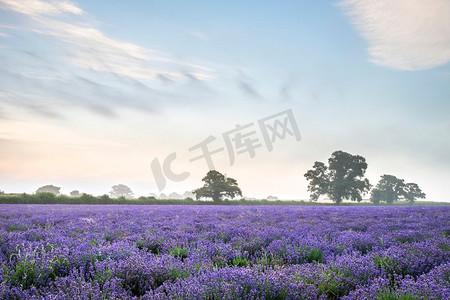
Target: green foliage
[
  {"x": 239, "y": 261},
  {"x": 388, "y": 189},
  {"x": 180, "y": 252},
  {"x": 153, "y": 246},
  {"x": 89, "y": 199},
  {"x": 45, "y": 197},
  {"x": 60, "y": 267},
  {"x": 48, "y": 189},
  {"x": 25, "y": 274},
  {"x": 342, "y": 179},
  {"x": 391, "y": 189},
  {"x": 329, "y": 285},
  {"x": 75, "y": 193},
  {"x": 390, "y": 265},
  {"x": 314, "y": 254},
  {"x": 102, "y": 275},
  {"x": 121, "y": 190},
  {"x": 412, "y": 192},
  {"x": 176, "y": 273},
  {"x": 319, "y": 180},
  {"x": 364, "y": 247},
  {"x": 217, "y": 186}
]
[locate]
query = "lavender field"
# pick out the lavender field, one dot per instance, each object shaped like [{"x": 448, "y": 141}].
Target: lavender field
[{"x": 224, "y": 252}]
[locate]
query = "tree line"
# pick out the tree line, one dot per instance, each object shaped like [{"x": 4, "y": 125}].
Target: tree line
[{"x": 343, "y": 178}]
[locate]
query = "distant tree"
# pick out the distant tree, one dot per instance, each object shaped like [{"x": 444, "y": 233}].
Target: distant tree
[
  {"x": 49, "y": 189},
  {"x": 412, "y": 192},
  {"x": 319, "y": 180},
  {"x": 105, "y": 197},
  {"x": 45, "y": 197},
  {"x": 75, "y": 193},
  {"x": 121, "y": 190},
  {"x": 188, "y": 194},
  {"x": 87, "y": 198},
  {"x": 389, "y": 189},
  {"x": 376, "y": 196},
  {"x": 217, "y": 186},
  {"x": 175, "y": 196},
  {"x": 343, "y": 178},
  {"x": 2, "y": 192}
]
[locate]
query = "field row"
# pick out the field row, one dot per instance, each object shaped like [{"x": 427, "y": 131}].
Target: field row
[{"x": 224, "y": 252}]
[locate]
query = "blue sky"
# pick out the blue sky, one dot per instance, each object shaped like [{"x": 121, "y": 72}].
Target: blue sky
[{"x": 91, "y": 92}]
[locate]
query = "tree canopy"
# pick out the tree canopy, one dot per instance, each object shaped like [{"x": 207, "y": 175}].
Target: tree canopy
[
  {"x": 121, "y": 190},
  {"x": 49, "y": 189},
  {"x": 343, "y": 178},
  {"x": 217, "y": 186},
  {"x": 390, "y": 189},
  {"x": 75, "y": 193}
]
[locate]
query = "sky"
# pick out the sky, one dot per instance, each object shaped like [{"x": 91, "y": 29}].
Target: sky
[{"x": 97, "y": 93}]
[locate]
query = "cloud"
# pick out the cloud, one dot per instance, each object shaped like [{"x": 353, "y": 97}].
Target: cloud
[
  {"x": 87, "y": 47},
  {"x": 248, "y": 89},
  {"x": 198, "y": 34},
  {"x": 244, "y": 84},
  {"x": 286, "y": 87},
  {"x": 21, "y": 100},
  {"x": 37, "y": 7},
  {"x": 403, "y": 34},
  {"x": 56, "y": 57}
]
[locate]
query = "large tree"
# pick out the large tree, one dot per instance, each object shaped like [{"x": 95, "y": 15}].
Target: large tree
[
  {"x": 412, "y": 192},
  {"x": 217, "y": 186},
  {"x": 343, "y": 178},
  {"x": 75, "y": 193},
  {"x": 121, "y": 190},
  {"x": 390, "y": 189},
  {"x": 49, "y": 189}
]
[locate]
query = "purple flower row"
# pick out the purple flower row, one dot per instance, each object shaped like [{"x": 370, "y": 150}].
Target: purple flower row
[{"x": 216, "y": 252}]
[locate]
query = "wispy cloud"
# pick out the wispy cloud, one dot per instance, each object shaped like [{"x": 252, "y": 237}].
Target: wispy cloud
[
  {"x": 61, "y": 55},
  {"x": 37, "y": 7},
  {"x": 403, "y": 34},
  {"x": 89, "y": 48},
  {"x": 248, "y": 89},
  {"x": 198, "y": 34},
  {"x": 246, "y": 85}
]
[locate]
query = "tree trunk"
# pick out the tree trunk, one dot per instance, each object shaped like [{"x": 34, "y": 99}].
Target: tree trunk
[{"x": 216, "y": 197}]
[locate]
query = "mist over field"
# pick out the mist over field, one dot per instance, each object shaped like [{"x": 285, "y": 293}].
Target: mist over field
[
  {"x": 257, "y": 150},
  {"x": 94, "y": 94}
]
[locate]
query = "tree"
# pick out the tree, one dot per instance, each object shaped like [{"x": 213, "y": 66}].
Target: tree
[
  {"x": 75, "y": 193},
  {"x": 49, "y": 189},
  {"x": 376, "y": 196},
  {"x": 121, "y": 190},
  {"x": 319, "y": 180},
  {"x": 390, "y": 189},
  {"x": 342, "y": 179},
  {"x": 412, "y": 192},
  {"x": 217, "y": 186}
]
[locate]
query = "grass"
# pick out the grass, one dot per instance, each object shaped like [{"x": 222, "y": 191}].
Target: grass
[{"x": 105, "y": 199}]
